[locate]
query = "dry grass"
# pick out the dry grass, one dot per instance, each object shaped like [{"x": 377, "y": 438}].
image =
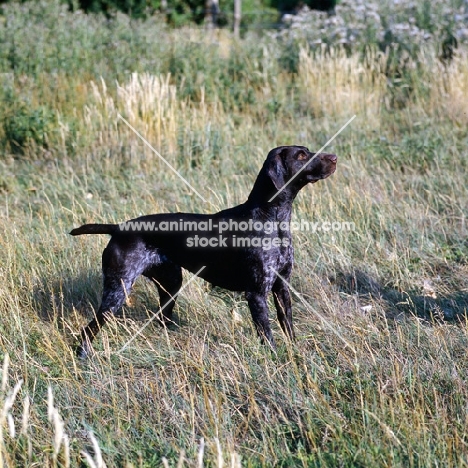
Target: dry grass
[
  {"x": 448, "y": 88},
  {"x": 338, "y": 85},
  {"x": 378, "y": 374}
]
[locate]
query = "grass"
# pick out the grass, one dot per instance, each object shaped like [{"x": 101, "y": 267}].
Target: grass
[{"x": 378, "y": 373}]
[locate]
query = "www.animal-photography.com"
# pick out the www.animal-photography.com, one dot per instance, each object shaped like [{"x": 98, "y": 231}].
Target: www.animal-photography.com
[{"x": 233, "y": 234}]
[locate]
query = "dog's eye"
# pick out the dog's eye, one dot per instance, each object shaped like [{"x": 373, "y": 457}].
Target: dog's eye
[{"x": 302, "y": 156}]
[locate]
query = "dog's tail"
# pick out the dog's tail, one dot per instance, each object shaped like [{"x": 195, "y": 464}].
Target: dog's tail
[{"x": 95, "y": 229}]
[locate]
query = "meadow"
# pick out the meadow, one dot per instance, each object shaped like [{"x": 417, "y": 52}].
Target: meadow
[{"x": 378, "y": 373}]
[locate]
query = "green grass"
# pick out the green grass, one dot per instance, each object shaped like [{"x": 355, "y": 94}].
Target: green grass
[{"x": 378, "y": 373}]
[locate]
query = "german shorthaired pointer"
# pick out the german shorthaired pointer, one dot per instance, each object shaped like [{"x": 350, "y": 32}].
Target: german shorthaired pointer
[{"x": 246, "y": 248}]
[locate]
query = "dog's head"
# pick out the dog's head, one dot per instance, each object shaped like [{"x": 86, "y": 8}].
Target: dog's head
[{"x": 296, "y": 166}]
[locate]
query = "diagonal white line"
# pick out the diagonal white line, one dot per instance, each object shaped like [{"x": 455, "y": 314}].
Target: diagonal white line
[
  {"x": 323, "y": 319},
  {"x": 316, "y": 154},
  {"x": 160, "y": 157},
  {"x": 139, "y": 332}
]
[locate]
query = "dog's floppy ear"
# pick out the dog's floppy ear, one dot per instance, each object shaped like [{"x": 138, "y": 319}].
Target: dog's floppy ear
[{"x": 276, "y": 169}]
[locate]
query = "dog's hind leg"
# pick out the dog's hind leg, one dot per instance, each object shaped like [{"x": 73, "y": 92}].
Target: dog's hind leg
[
  {"x": 121, "y": 266},
  {"x": 167, "y": 277}
]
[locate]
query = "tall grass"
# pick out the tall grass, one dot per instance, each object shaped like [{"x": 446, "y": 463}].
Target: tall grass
[
  {"x": 338, "y": 85},
  {"x": 378, "y": 373}
]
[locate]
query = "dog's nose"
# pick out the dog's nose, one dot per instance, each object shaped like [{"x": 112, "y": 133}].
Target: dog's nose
[{"x": 330, "y": 157}]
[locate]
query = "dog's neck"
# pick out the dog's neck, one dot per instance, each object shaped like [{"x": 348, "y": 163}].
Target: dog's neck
[{"x": 264, "y": 190}]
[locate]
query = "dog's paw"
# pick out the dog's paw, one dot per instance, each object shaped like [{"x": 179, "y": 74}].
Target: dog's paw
[{"x": 82, "y": 350}]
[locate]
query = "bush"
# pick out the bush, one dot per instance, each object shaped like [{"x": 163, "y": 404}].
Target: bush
[{"x": 25, "y": 124}]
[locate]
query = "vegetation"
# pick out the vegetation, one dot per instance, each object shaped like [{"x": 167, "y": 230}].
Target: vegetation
[{"x": 378, "y": 373}]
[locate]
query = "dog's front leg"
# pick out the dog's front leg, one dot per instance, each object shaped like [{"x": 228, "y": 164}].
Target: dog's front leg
[
  {"x": 282, "y": 299},
  {"x": 259, "y": 310}
]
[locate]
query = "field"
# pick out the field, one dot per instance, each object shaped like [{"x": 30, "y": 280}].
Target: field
[{"x": 378, "y": 374}]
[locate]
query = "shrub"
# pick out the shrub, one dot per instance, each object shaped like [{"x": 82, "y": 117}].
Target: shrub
[{"x": 24, "y": 124}]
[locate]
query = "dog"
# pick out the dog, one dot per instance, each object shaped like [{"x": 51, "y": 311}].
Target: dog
[{"x": 247, "y": 248}]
